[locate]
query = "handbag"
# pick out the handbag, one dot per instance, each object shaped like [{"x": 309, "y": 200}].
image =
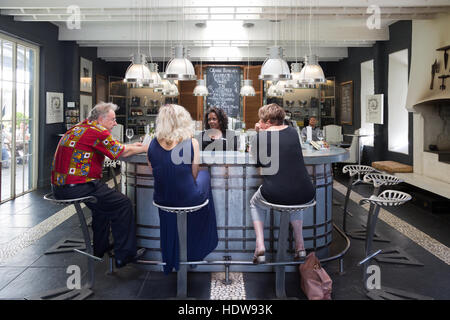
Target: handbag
[{"x": 315, "y": 281}]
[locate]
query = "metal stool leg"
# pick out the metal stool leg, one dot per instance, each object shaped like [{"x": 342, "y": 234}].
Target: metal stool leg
[
  {"x": 347, "y": 197},
  {"x": 281, "y": 256},
  {"x": 370, "y": 231},
  {"x": 182, "y": 272},
  {"x": 87, "y": 240}
]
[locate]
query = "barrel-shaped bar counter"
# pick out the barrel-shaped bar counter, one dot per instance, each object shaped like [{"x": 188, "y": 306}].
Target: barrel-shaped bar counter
[{"x": 234, "y": 180}]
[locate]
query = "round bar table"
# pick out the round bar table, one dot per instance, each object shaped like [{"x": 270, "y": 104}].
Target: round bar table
[{"x": 234, "y": 180}]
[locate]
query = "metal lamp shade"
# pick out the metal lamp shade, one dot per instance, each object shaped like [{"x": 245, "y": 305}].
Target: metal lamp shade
[
  {"x": 312, "y": 72},
  {"x": 295, "y": 73},
  {"x": 164, "y": 84},
  {"x": 283, "y": 87},
  {"x": 170, "y": 90},
  {"x": 274, "y": 92},
  {"x": 154, "y": 76},
  {"x": 247, "y": 89},
  {"x": 138, "y": 72},
  {"x": 275, "y": 68},
  {"x": 201, "y": 90},
  {"x": 180, "y": 68}
]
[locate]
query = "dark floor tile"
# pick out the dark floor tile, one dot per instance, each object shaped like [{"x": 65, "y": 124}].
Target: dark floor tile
[
  {"x": 33, "y": 281},
  {"x": 20, "y": 221},
  {"x": 161, "y": 286},
  {"x": 124, "y": 284},
  {"x": 8, "y": 274},
  {"x": 8, "y": 234}
]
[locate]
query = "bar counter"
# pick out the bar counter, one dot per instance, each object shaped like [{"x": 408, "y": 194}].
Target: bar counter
[{"x": 234, "y": 180}]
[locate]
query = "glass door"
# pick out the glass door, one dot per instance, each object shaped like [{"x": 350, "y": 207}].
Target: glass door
[{"x": 18, "y": 119}]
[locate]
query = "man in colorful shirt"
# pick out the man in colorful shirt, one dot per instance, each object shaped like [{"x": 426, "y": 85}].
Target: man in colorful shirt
[{"x": 77, "y": 170}]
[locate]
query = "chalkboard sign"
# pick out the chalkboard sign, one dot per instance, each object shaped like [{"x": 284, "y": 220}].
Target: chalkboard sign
[
  {"x": 224, "y": 86},
  {"x": 347, "y": 102}
]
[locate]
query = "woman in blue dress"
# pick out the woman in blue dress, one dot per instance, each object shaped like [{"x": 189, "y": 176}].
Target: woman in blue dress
[{"x": 174, "y": 157}]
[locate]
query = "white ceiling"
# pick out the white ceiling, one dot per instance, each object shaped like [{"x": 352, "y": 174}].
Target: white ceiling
[{"x": 120, "y": 27}]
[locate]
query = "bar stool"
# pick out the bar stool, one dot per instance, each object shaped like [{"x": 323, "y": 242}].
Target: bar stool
[
  {"x": 182, "y": 236},
  {"x": 283, "y": 236},
  {"x": 378, "y": 180},
  {"x": 385, "y": 199},
  {"x": 354, "y": 171},
  {"x": 86, "y": 291},
  {"x": 108, "y": 163}
]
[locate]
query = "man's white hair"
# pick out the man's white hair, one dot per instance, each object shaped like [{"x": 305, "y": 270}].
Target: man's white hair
[{"x": 101, "y": 109}]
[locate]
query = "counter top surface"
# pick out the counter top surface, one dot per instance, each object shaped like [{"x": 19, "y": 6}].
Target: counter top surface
[{"x": 311, "y": 156}]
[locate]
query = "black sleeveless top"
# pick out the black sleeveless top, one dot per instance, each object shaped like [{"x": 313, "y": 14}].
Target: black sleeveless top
[
  {"x": 228, "y": 142},
  {"x": 286, "y": 180}
]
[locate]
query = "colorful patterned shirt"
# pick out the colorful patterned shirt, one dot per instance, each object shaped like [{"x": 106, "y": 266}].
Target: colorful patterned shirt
[{"x": 81, "y": 151}]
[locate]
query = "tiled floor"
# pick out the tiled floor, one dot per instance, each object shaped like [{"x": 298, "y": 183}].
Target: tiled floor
[{"x": 29, "y": 226}]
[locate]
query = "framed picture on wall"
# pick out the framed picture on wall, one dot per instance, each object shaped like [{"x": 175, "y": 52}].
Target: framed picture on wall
[
  {"x": 346, "y": 105},
  {"x": 85, "y": 75},
  {"x": 85, "y": 106},
  {"x": 54, "y": 112},
  {"x": 374, "y": 111}
]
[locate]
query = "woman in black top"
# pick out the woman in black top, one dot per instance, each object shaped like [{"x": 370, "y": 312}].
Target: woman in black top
[
  {"x": 216, "y": 133},
  {"x": 286, "y": 180}
]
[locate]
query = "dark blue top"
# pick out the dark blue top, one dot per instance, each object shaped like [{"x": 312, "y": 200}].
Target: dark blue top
[{"x": 175, "y": 187}]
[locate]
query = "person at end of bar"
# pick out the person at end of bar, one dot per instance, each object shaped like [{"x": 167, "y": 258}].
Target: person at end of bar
[
  {"x": 174, "y": 158},
  {"x": 216, "y": 135},
  {"x": 315, "y": 130},
  {"x": 289, "y": 185},
  {"x": 77, "y": 172}
]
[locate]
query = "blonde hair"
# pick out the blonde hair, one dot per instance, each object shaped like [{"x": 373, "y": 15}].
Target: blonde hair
[{"x": 174, "y": 124}]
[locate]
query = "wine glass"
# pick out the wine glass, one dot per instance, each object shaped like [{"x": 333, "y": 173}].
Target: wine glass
[
  {"x": 129, "y": 133},
  {"x": 147, "y": 129}
]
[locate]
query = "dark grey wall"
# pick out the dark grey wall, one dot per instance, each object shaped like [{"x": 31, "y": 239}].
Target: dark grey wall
[
  {"x": 59, "y": 71},
  {"x": 350, "y": 69}
]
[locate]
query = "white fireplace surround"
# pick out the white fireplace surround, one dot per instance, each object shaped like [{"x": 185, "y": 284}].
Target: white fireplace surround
[{"x": 429, "y": 172}]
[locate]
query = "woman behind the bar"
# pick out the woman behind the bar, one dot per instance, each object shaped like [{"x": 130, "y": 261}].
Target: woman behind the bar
[
  {"x": 174, "y": 158},
  {"x": 289, "y": 185},
  {"x": 216, "y": 133}
]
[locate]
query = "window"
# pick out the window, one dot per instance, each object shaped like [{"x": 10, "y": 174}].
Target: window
[
  {"x": 367, "y": 88},
  {"x": 18, "y": 117},
  {"x": 397, "y": 92}
]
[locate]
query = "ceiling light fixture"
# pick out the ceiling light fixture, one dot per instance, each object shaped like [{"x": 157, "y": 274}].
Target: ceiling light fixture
[
  {"x": 201, "y": 90},
  {"x": 180, "y": 68},
  {"x": 275, "y": 67},
  {"x": 137, "y": 72},
  {"x": 312, "y": 72},
  {"x": 247, "y": 89}
]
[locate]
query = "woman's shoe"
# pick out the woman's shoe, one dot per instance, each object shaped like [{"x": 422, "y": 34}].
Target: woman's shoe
[
  {"x": 300, "y": 255},
  {"x": 259, "y": 257}
]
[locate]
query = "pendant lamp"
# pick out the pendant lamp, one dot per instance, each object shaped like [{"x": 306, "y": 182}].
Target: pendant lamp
[
  {"x": 247, "y": 89},
  {"x": 273, "y": 91},
  {"x": 180, "y": 68},
  {"x": 138, "y": 72},
  {"x": 201, "y": 90},
  {"x": 311, "y": 73},
  {"x": 275, "y": 67},
  {"x": 154, "y": 76}
]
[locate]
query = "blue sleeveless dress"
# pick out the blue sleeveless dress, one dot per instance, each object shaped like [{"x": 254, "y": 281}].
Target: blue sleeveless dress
[{"x": 175, "y": 187}]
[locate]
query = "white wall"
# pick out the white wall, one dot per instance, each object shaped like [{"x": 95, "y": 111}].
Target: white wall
[
  {"x": 367, "y": 88},
  {"x": 397, "y": 92}
]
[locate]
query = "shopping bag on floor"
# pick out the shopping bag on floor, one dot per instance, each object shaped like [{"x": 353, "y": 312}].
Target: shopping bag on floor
[{"x": 315, "y": 281}]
